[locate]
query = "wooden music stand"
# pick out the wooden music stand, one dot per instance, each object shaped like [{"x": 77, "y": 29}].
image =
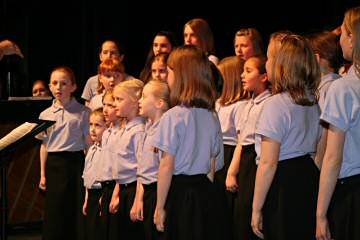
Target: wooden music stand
[{"x": 5, "y": 159}]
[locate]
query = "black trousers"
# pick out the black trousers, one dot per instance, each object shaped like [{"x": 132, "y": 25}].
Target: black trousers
[
  {"x": 92, "y": 218},
  {"x": 63, "y": 217},
  {"x": 150, "y": 231},
  {"x": 109, "y": 223},
  {"x": 128, "y": 230}
]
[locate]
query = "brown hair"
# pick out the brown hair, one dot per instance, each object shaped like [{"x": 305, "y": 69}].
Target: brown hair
[
  {"x": 254, "y": 37},
  {"x": 326, "y": 44},
  {"x": 108, "y": 93},
  {"x": 295, "y": 70},
  {"x": 203, "y": 32},
  {"x": 352, "y": 25},
  {"x": 231, "y": 69},
  {"x": 277, "y": 37},
  {"x": 43, "y": 83},
  {"x": 260, "y": 62},
  {"x": 98, "y": 112},
  {"x": 192, "y": 78},
  {"x": 145, "y": 74},
  {"x": 161, "y": 57},
  {"x": 117, "y": 45},
  {"x": 67, "y": 71}
]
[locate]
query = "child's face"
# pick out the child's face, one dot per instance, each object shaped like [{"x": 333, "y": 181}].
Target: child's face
[
  {"x": 61, "y": 86},
  {"x": 161, "y": 45},
  {"x": 170, "y": 77},
  {"x": 243, "y": 47},
  {"x": 109, "y": 51},
  {"x": 97, "y": 127},
  {"x": 123, "y": 103},
  {"x": 39, "y": 90},
  {"x": 147, "y": 102},
  {"x": 110, "y": 79},
  {"x": 190, "y": 37},
  {"x": 251, "y": 78},
  {"x": 270, "y": 58},
  {"x": 159, "y": 71},
  {"x": 109, "y": 109},
  {"x": 345, "y": 43}
]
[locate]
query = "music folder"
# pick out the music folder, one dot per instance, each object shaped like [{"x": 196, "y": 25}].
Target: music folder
[{"x": 20, "y": 135}]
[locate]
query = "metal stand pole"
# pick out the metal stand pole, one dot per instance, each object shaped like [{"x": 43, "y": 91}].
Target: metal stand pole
[{"x": 4, "y": 212}]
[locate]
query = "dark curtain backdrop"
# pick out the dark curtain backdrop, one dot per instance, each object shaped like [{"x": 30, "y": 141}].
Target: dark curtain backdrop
[{"x": 53, "y": 33}]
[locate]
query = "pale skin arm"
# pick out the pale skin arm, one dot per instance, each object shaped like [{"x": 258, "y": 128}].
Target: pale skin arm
[
  {"x": 43, "y": 158},
  {"x": 231, "y": 180},
  {"x": 211, "y": 174},
  {"x": 8, "y": 47},
  {"x": 115, "y": 199},
  {"x": 320, "y": 151},
  {"x": 166, "y": 170},
  {"x": 136, "y": 212},
  {"x": 84, "y": 209},
  {"x": 328, "y": 178},
  {"x": 270, "y": 150},
  {"x": 140, "y": 202}
]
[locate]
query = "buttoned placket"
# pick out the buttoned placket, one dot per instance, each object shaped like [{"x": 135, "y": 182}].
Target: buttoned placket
[{"x": 94, "y": 149}]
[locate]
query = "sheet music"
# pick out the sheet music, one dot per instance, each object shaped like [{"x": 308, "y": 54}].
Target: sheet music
[
  {"x": 16, "y": 134},
  {"x": 29, "y": 98}
]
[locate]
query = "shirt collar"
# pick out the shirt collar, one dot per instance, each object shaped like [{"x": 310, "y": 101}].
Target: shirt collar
[
  {"x": 95, "y": 146},
  {"x": 351, "y": 70},
  {"x": 135, "y": 121},
  {"x": 262, "y": 96},
  {"x": 57, "y": 107},
  {"x": 150, "y": 127},
  {"x": 114, "y": 127},
  {"x": 328, "y": 78}
]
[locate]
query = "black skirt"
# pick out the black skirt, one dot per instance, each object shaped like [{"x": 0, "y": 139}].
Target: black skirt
[
  {"x": 149, "y": 199},
  {"x": 344, "y": 210},
  {"x": 92, "y": 218},
  {"x": 194, "y": 210},
  {"x": 64, "y": 197},
  {"x": 244, "y": 197},
  {"x": 220, "y": 176},
  {"x": 289, "y": 210},
  {"x": 220, "y": 179}
]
